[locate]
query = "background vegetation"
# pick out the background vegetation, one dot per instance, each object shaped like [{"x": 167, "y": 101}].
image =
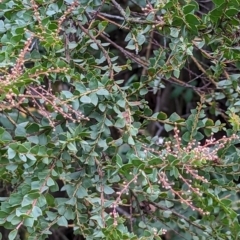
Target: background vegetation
[{"x": 119, "y": 119}]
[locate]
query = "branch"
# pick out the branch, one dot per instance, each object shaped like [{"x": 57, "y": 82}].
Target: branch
[
  {"x": 134, "y": 20},
  {"x": 111, "y": 74}
]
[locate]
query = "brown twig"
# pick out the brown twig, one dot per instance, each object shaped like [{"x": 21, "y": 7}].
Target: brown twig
[
  {"x": 203, "y": 70},
  {"x": 105, "y": 53}
]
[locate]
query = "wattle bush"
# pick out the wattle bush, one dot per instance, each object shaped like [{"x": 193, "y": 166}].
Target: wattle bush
[{"x": 119, "y": 119}]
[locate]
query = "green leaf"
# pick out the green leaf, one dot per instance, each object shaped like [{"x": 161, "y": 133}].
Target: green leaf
[
  {"x": 177, "y": 21},
  {"x": 151, "y": 71},
  {"x": 22, "y": 157},
  {"x": 5, "y": 137},
  {"x": 108, "y": 122},
  {"x": 72, "y": 45},
  {"x": 175, "y": 171},
  {"x": 103, "y": 92},
  {"x": 12, "y": 235},
  {"x": 12, "y": 167},
  {"x": 21, "y": 130},
  {"x": 94, "y": 46},
  {"x": 28, "y": 222},
  {"x": 2, "y": 130},
  {"x": 231, "y": 12},
  {"x": 121, "y": 103},
  {"x": 22, "y": 149},
  {"x": 103, "y": 144},
  {"x": 167, "y": 213},
  {"x": 72, "y": 146},
  {"x": 93, "y": 84},
  {"x": 80, "y": 87},
  {"x": 192, "y": 20},
  {"x": 216, "y": 13},
  {"x": 50, "y": 182},
  {"x": 75, "y": 104},
  {"x": 131, "y": 46},
  {"x": 2, "y": 28},
  {"x": 108, "y": 190},
  {"x": 102, "y": 107},
  {"x": 33, "y": 139},
  {"x": 162, "y": 116},
  {"x": 11, "y": 153},
  {"x": 168, "y": 127},
  {"x": 3, "y": 214},
  {"x": 120, "y": 123},
  {"x": 142, "y": 224},
  {"x": 62, "y": 222},
  {"x": 102, "y": 25},
  {"x": 188, "y": 8},
  {"x": 176, "y": 73},
  {"x": 143, "y": 91},
  {"x": 72, "y": 201},
  {"x": 174, "y": 32},
  {"x": 32, "y": 128},
  {"x": 141, "y": 39},
  {"x": 67, "y": 94},
  {"x": 131, "y": 141},
  {"x": 186, "y": 137},
  {"x": 94, "y": 99},
  {"x": 174, "y": 117},
  {"x": 218, "y": 2},
  {"x": 119, "y": 160},
  {"x": 199, "y": 136},
  {"x": 15, "y": 39},
  {"x": 81, "y": 192},
  {"x": 209, "y": 122},
  {"x": 36, "y": 212},
  {"x": 85, "y": 99}
]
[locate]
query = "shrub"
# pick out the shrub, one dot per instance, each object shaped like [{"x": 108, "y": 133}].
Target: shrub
[{"x": 76, "y": 146}]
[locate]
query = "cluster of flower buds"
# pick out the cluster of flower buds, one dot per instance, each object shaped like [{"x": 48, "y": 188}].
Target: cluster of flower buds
[
  {"x": 189, "y": 158},
  {"x": 17, "y": 70},
  {"x": 74, "y": 4},
  {"x": 42, "y": 99}
]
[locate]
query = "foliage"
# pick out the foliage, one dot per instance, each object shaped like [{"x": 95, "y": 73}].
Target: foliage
[{"x": 70, "y": 122}]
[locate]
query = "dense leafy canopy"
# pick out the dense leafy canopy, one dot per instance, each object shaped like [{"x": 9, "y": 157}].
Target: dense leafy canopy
[{"x": 76, "y": 146}]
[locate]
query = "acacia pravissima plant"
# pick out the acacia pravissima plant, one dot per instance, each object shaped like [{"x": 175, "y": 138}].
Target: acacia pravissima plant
[{"x": 76, "y": 147}]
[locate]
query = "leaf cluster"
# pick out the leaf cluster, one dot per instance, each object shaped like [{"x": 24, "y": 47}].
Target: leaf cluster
[{"x": 72, "y": 125}]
